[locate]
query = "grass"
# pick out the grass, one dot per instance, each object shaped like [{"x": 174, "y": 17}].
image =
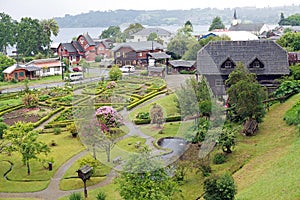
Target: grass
[
  {"x": 167, "y": 103},
  {"x": 44, "y": 80},
  {"x": 40, "y": 176},
  {"x": 10, "y": 102}
]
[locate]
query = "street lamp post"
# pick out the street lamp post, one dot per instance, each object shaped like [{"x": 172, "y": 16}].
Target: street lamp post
[{"x": 61, "y": 64}]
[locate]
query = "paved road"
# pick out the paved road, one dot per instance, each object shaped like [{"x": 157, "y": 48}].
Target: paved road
[{"x": 98, "y": 73}]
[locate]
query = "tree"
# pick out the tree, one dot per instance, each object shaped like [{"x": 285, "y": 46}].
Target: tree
[
  {"x": 144, "y": 178},
  {"x": 157, "y": 115},
  {"x": 290, "y": 41},
  {"x": 246, "y": 95},
  {"x": 152, "y": 37},
  {"x": 192, "y": 49},
  {"x": 227, "y": 139},
  {"x": 188, "y": 26},
  {"x": 108, "y": 119},
  {"x": 133, "y": 28},
  {"x": 219, "y": 188},
  {"x": 115, "y": 73},
  {"x": 7, "y": 32},
  {"x": 50, "y": 28},
  {"x": 24, "y": 140},
  {"x": 5, "y": 62},
  {"x": 114, "y": 33},
  {"x": 292, "y": 20},
  {"x": 31, "y": 38},
  {"x": 216, "y": 24}
]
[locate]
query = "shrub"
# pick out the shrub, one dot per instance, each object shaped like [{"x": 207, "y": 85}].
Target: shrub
[
  {"x": 3, "y": 126},
  {"x": 30, "y": 100},
  {"x": 101, "y": 196},
  {"x": 143, "y": 115},
  {"x": 73, "y": 130},
  {"x": 204, "y": 168},
  {"x": 75, "y": 196},
  {"x": 144, "y": 73},
  {"x": 115, "y": 73},
  {"x": 56, "y": 130},
  {"x": 219, "y": 158},
  {"x": 219, "y": 187},
  {"x": 98, "y": 58}
]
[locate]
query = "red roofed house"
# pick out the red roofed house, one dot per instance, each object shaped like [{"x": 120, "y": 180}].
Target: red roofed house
[
  {"x": 88, "y": 45},
  {"x": 47, "y": 67},
  {"x": 19, "y": 72}
]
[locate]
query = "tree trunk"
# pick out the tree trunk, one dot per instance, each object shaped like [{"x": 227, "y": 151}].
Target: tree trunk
[{"x": 28, "y": 167}]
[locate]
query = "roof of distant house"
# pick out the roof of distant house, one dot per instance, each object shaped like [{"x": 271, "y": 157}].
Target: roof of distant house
[
  {"x": 88, "y": 38},
  {"x": 140, "y": 46},
  {"x": 77, "y": 46},
  {"x": 159, "y": 55},
  {"x": 49, "y": 62},
  {"x": 182, "y": 63},
  {"x": 247, "y": 27},
  {"x": 69, "y": 47}
]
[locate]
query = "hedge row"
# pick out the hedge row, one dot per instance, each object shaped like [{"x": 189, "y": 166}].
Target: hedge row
[
  {"x": 60, "y": 125},
  {"x": 132, "y": 105},
  {"x": 11, "y": 109},
  {"x": 36, "y": 124},
  {"x": 167, "y": 119}
]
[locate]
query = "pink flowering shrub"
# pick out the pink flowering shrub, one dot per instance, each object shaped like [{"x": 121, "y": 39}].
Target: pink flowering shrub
[
  {"x": 108, "y": 118},
  {"x": 111, "y": 84},
  {"x": 30, "y": 100}
]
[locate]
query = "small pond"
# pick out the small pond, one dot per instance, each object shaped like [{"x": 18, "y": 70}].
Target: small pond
[{"x": 178, "y": 146}]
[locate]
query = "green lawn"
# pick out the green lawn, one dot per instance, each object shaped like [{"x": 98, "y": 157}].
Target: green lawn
[
  {"x": 40, "y": 176},
  {"x": 167, "y": 103}
]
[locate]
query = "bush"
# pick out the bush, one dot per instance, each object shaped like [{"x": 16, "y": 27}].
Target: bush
[
  {"x": 3, "y": 126},
  {"x": 115, "y": 73},
  {"x": 143, "y": 115},
  {"x": 30, "y": 100},
  {"x": 101, "y": 196},
  {"x": 219, "y": 187},
  {"x": 98, "y": 58},
  {"x": 73, "y": 130},
  {"x": 219, "y": 158},
  {"x": 56, "y": 130},
  {"x": 75, "y": 196},
  {"x": 144, "y": 73}
]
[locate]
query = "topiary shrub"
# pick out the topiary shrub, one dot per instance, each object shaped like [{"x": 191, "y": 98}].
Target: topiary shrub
[
  {"x": 219, "y": 158},
  {"x": 56, "y": 130},
  {"x": 73, "y": 130},
  {"x": 75, "y": 196},
  {"x": 143, "y": 115},
  {"x": 101, "y": 196}
]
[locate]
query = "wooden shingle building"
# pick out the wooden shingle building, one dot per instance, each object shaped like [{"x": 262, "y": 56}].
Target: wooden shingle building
[{"x": 265, "y": 58}]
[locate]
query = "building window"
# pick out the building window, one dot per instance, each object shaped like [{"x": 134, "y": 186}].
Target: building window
[
  {"x": 256, "y": 64},
  {"x": 118, "y": 54},
  {"x": 228, "y": 64},
  {"x": 219, "y": 82},
  {"x": 56, "y": 69},
  {"x": 140, "y": 54},
  {"x": 21, "y": 74}
]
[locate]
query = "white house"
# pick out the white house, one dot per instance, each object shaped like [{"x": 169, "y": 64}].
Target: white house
[{"x": 48, "y": 67}]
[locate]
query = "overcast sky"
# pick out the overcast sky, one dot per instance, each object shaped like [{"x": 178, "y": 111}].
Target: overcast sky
[{"x": 46, "y": 9}]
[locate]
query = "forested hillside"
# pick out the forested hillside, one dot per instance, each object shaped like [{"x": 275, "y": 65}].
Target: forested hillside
[{"x": 269, "y": 15}]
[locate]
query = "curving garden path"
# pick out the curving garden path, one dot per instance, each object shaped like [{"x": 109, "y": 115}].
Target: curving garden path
[{"x": 53, "y": 192}]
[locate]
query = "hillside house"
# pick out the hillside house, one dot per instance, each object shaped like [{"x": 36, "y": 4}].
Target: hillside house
[
  {"x": 182, "y": 65},
  {"x": 254, "y": 28},
  {"x": 88, "y": 45},
  {"x": 20, "y": 72},
  {"x": 103, "y": 48},
  {"x": 46, "y": 67},
  {"x": 135, "y": 53},
  {"x": 142, "y": 35},
  {"x": 265, "y": 58}
]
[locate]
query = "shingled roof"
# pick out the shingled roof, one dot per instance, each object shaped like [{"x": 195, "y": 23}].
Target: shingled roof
[
  {"x": 139, "y": 46},
  {"x": 211, "y": 57},
  {"x": 89, "y": 40},
  {"x": 69, "y": 47},
  {"x": 182, "y": 63},
  {"x": 254, "y": 27},
  {"x": 77, "y": 46}
]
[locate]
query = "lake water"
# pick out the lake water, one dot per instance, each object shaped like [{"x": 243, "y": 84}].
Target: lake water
[{"x": 66, "y": 34}]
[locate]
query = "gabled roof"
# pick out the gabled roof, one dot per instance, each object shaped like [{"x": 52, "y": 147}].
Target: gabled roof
[
  {"x": 156, "y": 69},
  {"x": 254, "y": 27},
  {"x": 12, "y": 68},
  {"x": 147, "y": 31},
  {"x": 49, "y": 62},
  {"x": 182, "y": 63},
  {"x": 88, "y": 38},
  {"x": 69, "y": 47},
  {"x": 139, "y": 46},
  {"x": 211, "y": 57},
  {"x": 237, "y": 35},
  {"x": 159, "y": 55},
  {"x": 77, "y": 46}
]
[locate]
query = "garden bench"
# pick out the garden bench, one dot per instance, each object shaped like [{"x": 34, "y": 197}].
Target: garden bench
[{"x": 117, "y": 160}]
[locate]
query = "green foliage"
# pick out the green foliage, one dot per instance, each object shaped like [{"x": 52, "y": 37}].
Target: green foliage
[
  {"x": 101, "y": 196},
  {"x": 115, "y": 73},
  {"x": 3, "y": 127},
  {"x": 133, "y": 28},
  {"x": 219, "y": 188},
  {"x": 98, "y": 58},
  {"x": 292, "y": 116},
  {"x": 152, "y": 37},
  {"x": 7, "y": 32},
  {"x": 144, "y": 178},
  {"x": 287, "y": 88},
  {"x": 219, "y": 158},
  {"x": 295, "y": 71},
  {"x": 144, "y": 73},
  {"x": 192, "y": 49},
  {"x": 246, "y": 95},
  {"x": 143, "y": 115},
  {"x": 216, "y": 24},
  {"x": 227, "y": 139},
  {"x": 73, "y": 130},
  {"x": 114, "y": 33},
  {"x": 30, "y": 100},
  {"x": 57, "y": 130},
  {"x": 156, "y": 115},
  {"x": 290, "y": 41},
  {"x": 75, "y": 196},
  {"x": 292, "y": 20},
  {"x": 25, "y": 141}
]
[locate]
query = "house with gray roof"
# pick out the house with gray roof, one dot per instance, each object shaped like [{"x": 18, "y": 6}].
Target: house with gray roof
[
  {"x": 179, "y": 65},
  {"x": 265, "y": 58},
  {"x": 135, "y": 53},
  {"x": 255, "y": 28},
  {"x": 143, "y": 35}
]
